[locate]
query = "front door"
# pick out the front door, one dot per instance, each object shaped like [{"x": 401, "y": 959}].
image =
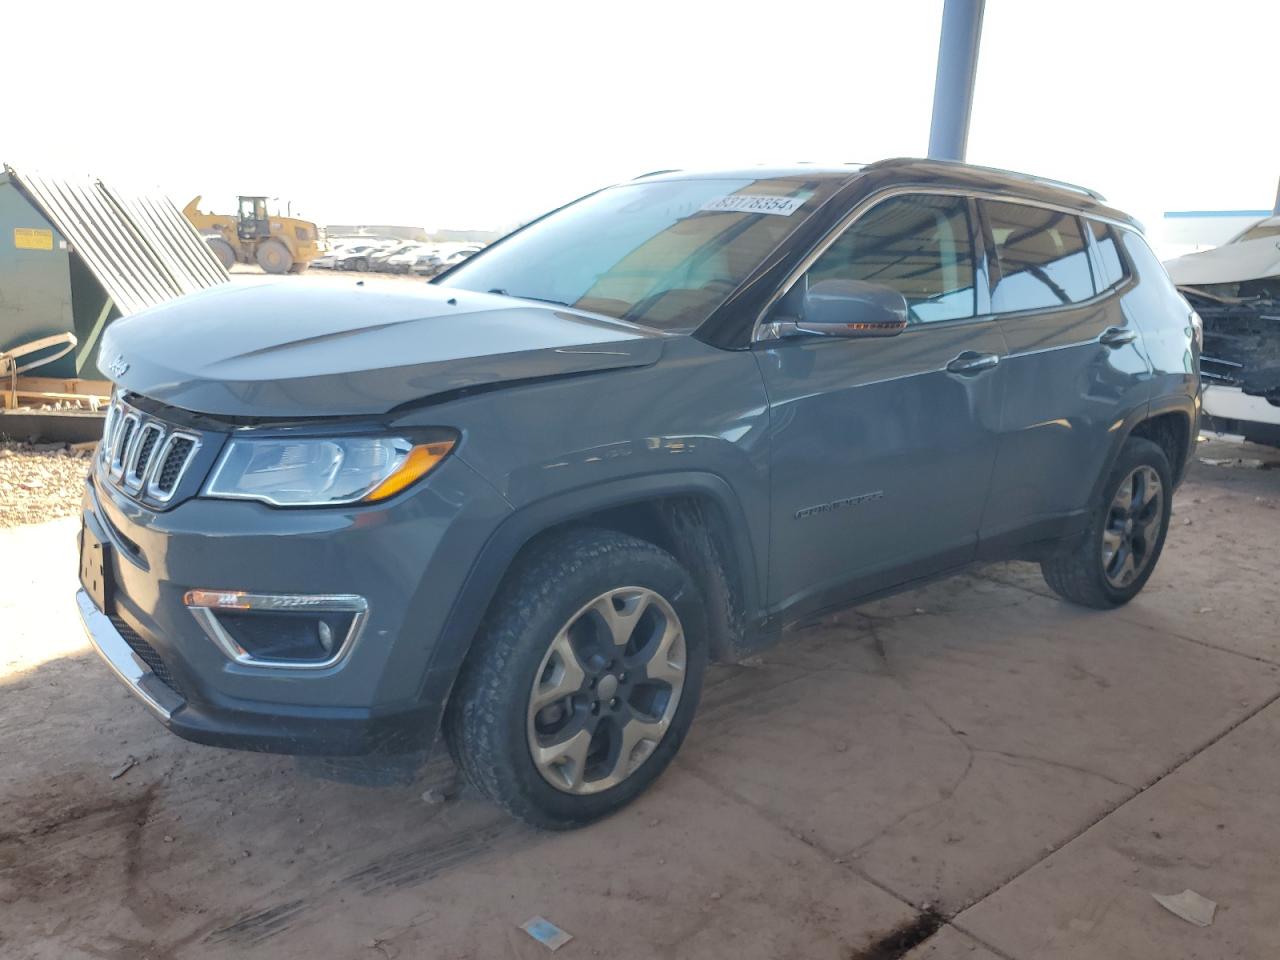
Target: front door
[{"x": 882, "y": 449}]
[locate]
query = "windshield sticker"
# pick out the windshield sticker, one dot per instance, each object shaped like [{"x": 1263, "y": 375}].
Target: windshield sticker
[{"x": 755, "y": 203}]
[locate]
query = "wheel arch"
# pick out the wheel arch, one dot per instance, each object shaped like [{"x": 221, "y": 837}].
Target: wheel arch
[
  {"x": 1170, "y": 424},
  {"x": 694, "y": 516},
  {"x": 1174, "y": 433},
  {"x": 1172, "y": 427}
]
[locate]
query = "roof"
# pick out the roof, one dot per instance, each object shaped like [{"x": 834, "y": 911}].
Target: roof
[
  {"x": 807, "y": 171},
  {"x": 139, "y": 247},
  {"x": 929, "y": 172}
]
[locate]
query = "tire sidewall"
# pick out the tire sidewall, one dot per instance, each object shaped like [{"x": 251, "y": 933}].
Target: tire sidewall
[{"x": 539, "y": 622}]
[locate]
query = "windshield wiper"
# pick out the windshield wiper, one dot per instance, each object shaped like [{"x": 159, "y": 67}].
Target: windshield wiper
[{"x": 518, "y": 296}]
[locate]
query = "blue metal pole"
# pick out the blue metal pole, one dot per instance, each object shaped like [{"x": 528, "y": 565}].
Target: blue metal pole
[{"x": 957, "y": 68}]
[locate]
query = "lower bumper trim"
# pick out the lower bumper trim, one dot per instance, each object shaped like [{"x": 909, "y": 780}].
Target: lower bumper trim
[{"x": 124, "y": 663}]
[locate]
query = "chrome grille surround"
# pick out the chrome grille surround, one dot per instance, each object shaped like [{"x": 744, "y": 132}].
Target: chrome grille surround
[
  {"x": 143, "y": 447},
  {"x": 143, "y": 455}
]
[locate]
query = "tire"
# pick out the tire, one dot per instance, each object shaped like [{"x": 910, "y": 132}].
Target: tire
[
  {"x": 565, "y": 582},
  {"x": 361, "y": 265},
  {"x": 223, "y": 251},
  {"x": 300, "y": 267},
  {"x": 274, "y": 257},
  {"x": 1115, "y": 557}
]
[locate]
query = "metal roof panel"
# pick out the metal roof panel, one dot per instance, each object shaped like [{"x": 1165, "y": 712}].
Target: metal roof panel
[{"x": 141, "y": 249}]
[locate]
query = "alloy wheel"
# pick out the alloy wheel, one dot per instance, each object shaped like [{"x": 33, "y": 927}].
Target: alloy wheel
[
  {"x": 606, "y": 690},
  {"x": 1132, "y": 527}
]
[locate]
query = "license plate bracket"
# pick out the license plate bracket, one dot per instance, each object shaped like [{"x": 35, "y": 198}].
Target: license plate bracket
[{"x": 95, "y": 568}]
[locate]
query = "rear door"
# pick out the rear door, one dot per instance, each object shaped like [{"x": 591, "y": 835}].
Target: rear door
[
  {"x": 882, "y": 449},
  {"x": 1076, "y": 369}
]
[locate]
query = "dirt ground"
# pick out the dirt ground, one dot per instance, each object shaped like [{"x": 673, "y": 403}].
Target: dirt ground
[
  {"x": 40, "y": 481},
  {"x": 975, "y": 753}
]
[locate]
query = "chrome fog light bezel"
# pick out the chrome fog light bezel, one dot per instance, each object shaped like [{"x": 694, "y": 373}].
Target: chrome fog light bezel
[{"x": 205, "y": 604}]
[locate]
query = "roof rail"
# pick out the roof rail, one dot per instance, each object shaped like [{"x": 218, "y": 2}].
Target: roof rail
[
  {"x": 1061, "y": 184},
  {"x": 656, "y": 173}
]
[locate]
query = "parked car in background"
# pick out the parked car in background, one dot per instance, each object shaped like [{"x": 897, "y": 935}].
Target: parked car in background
[
  {"x": 529, "y": 501},
  {"x": 327, "y": 259},
  {"x": 358, "y": 257},
  {"x": 379, "y": 261},
  {"x": 406, "y": 260},
  {"x": 1235, "y": 288},
  {"x": 459, "y": 255},
  {"x": 427, "y": 262},
  {"x": 342, "y": 250}
]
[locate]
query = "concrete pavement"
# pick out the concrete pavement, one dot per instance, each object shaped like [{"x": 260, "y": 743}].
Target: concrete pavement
[{"x": 1031, "y": 771}]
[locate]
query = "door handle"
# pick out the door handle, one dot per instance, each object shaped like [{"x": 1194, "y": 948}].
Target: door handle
[
  {"x": 1117, "y": 336},
  {"x": 969, "y": 363}
]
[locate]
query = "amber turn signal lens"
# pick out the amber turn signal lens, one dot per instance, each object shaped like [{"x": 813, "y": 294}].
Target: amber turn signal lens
[
  {"x": 221, "y": 599},
  {"x": 422, "y": 459}
]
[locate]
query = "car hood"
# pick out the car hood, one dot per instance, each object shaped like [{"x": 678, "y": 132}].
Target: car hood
[
  {"x": 300, "y": 348},
  {"x": 1229, "y": 263}
]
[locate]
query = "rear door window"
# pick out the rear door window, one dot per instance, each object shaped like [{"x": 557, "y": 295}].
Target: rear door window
[
  {"x": 1041, "y": 256},
  {"x": 1111, "y": 265},
  {"x": 919, "y": 245}
]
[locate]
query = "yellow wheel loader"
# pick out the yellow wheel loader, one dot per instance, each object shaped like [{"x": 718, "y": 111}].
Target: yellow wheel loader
[{"x": 276, "y": 244}]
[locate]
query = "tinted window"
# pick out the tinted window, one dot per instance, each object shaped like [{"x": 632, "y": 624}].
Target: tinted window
[
  {"x": 1150, "y": 270},
  {"x": 1042, "y": 258},
  {"x": 919, "y": 246},
  {"x": 1154, "y": 301},
  {"x": 1112, "y": 266}
]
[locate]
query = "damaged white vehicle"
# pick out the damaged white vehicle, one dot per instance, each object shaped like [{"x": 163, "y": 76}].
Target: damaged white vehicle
[{"x": 1236, "y": 290}]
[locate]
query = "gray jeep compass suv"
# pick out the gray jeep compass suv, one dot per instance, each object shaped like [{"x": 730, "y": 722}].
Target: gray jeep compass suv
[{"x": 529, "y": 501}]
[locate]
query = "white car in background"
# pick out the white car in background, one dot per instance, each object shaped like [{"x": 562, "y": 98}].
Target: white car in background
[
  {"x": 1235, "y": 288},
  {"x": 408, "y": 261}
]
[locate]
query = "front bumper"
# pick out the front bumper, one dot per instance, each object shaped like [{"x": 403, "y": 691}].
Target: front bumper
[
  {"x": 308, "y": 732},
  {"x": 1231, "y": 403},
  {"x": 125, "y": 662},
  {"x": 408, "y": 557}
]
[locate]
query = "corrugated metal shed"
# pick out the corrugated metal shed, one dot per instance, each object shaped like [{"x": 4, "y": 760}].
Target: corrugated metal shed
[{"x": 139, "y": 248}]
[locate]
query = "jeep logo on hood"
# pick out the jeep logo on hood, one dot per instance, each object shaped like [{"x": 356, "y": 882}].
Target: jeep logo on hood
[{"x": 117, "y": 367}]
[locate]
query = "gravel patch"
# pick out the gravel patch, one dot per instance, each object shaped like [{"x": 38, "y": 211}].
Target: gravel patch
[{"x": 40, "y": 481}]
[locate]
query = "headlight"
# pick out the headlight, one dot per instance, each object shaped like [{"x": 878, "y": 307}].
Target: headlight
[{"x": 310, "y": 471}]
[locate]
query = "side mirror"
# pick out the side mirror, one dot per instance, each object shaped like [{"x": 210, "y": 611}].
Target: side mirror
[{"x": 848, "y": 308}]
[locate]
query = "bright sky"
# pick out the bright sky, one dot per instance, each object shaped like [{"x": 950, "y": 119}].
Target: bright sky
[{"x": 481, "y": 114}]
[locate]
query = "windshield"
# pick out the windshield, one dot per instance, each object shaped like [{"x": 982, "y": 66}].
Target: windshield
[{"x": 661, "y": 253}]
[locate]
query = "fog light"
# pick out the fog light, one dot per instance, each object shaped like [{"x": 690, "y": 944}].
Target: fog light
[
  {"x": 298, "y": 631},
  {"x": 326, "y": 636}
]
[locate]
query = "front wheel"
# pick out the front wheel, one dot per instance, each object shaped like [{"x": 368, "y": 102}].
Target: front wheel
[
  {"x": 583, "y": 681},
  {"x": 274, "y": 257},
  {"x": 1117, "y": 554},
  {"x": 223, "y": 251}
]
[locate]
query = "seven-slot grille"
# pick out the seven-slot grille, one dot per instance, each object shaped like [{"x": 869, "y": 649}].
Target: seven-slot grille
[{"x": 144, "y": 455}]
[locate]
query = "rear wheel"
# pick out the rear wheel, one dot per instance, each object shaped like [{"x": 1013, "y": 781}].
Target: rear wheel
[
  {"x": 582, "y": 683},
  {"x": 274, "y": 257},
  {"x": 223, "y": 251},
  {"x": 1116, "y": 556}
]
